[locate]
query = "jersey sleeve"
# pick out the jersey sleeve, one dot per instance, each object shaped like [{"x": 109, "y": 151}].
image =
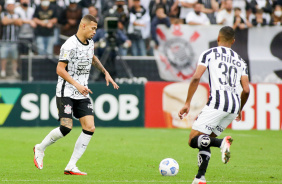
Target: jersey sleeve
[
  {"x": 204, "y": 58},
  {"x": 245, "y": 70},
  {"x": 66, "y": 52}
]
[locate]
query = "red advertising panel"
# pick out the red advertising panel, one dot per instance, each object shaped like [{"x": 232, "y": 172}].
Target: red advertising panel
[
  {"x": 263, "y": 110},
  {"x": 163, "y": 100},
  {"x": 153, "y": 104}
]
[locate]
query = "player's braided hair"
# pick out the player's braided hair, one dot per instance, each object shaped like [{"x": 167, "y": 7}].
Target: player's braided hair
[{"x": 227, "y": 33}]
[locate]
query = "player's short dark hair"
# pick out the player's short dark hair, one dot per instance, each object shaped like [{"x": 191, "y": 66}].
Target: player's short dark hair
[
  {"x": 89, "y": 18},
  {"x": 227, "y": 33}
]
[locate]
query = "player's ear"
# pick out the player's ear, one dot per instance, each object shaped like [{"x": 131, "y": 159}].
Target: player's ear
[{"x": 218, "y": 39}]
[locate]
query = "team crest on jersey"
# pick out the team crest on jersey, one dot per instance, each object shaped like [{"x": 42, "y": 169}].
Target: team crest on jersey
[
  {"x": 90, "y": 106},
  {"x": 67, "y": 109}
]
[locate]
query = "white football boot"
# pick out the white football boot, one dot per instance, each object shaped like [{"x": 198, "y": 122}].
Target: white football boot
[
  {"x": 73, "y": 170},
  {"x": 202, "y": 180},
  {"x": 225, "y": 148},
  {"x": 38, "y": 157}
]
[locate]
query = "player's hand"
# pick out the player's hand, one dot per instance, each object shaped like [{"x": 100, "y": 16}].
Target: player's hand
[
  {"x": 184, "y": 111},
  {"x": 110, "y": 80},
  {"x": 239, "y": 117},
  {"x": 83, "y": 90}
]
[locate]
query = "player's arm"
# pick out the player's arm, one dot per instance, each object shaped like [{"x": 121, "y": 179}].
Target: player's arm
[
  {"x": 192, "y": 89},
  {"x": 244, "y": 95},
  {"x": 61, "y": 71},
  {"x": 96, "y": 62}
]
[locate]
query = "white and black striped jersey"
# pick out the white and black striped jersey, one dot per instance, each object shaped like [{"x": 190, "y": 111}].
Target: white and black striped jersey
[
  {"x": 225, "y": 69},
  {"x": 79, "y": 58},
  {"x": 10, "y": 32}
]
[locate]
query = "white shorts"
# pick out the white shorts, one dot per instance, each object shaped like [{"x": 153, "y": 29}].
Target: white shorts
[{"x": 212, "y": 120}]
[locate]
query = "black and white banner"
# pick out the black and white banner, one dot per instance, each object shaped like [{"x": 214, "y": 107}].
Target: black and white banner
[{"x": 181, "y": 45}]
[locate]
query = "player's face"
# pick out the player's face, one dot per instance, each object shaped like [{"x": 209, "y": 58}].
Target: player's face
[{"x": 90, "y": 29}]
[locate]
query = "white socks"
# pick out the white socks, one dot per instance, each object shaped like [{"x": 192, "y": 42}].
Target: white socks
[
  {"x": 79, "y": 148},
  {"x": 51, "y": 138}
]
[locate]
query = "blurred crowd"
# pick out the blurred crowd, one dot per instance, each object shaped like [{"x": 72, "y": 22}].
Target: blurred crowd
[{"x": 46, "y": 24}]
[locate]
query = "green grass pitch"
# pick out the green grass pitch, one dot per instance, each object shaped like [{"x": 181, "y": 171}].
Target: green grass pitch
[{"x": 132, "y": 155}]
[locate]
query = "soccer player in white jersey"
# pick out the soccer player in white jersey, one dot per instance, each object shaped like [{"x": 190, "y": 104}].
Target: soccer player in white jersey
[
  {"x": 72, "y": 93},
  {"x": 227, "y": 73}
]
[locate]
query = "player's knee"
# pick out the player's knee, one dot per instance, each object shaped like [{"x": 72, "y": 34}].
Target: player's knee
[
  {"x": 201, "y": 142},
  {"x": 89, "y": 127},
  {"x": 64, "y": 130},
  {"x": 92, "y": 129},
  {"x": 204, "y": 141}
]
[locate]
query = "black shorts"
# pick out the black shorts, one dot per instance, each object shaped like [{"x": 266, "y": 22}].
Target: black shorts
[{"x": 78, "y": 108}]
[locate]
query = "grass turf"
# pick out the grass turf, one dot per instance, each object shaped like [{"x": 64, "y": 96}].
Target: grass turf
[{"x": 132, "y": 155}]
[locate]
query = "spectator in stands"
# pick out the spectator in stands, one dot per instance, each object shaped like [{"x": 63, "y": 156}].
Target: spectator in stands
[
  {"x": 92, "y": 10},
  {"x": 277, "y": 15},
  {"x": 160, "y": 18},
  {"x": 242, "y": 5},
  {"x": 26, "y": 30},
  {"x": 226, "y": 15},
  {"x": 186, "y": 6},
  {"x": 11, "y": 23},
  {"x": 70, "y": 19},
  {"x": 174, "y": 11},
  {"x": 85, "y": 4},
  {"x": 106, "y": 5},
  {"x": 106, "y": 44},
  {"x": 45, "y": 17},
  {"x": 120, "y": 10},
  {"x": 265, "y": 5},
  {"x": 138, "y": 29},
  {"x": 259, "y": 20},
  {"x": 167, "y": 4},
  {"x": 239, "y": 21},
  {"x": 197, "y": 17},
  {"x": 210, "y": 7}
]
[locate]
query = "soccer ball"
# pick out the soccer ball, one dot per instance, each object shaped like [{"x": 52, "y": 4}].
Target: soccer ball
[{"x": 168, "y": 167}]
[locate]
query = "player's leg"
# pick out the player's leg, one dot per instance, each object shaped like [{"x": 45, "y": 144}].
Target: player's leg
[
  {"x": 65, "y": 115},
  {"x": 84, "y": 111},
  {"x": 202, "y": 138},
  {"x": 196, "y": 139},
  {"x": 87, "y": 123}
]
